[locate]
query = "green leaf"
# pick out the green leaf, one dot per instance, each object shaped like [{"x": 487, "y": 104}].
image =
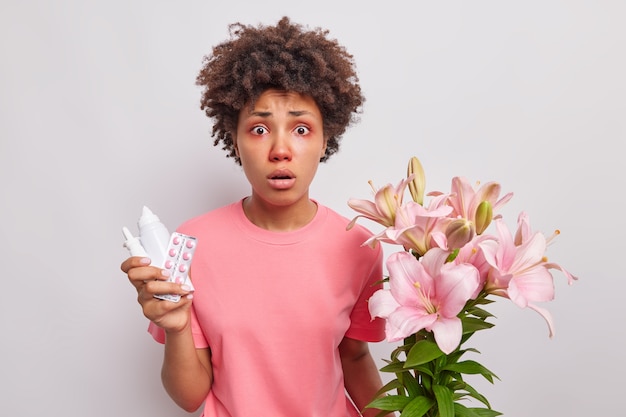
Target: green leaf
[
  {"x": 390, "y": 403},
  {"x": 461, "y": 411},
  {"x": 484, "y": 412},
  {"x": 424, "y": 370},
  {"x": 445, "y": 404},
  {"x": 475, "y": 394},
  {"x": 466, "y": 336},
  {"x": 394, "y": 367},
  {"x": 470, "y": 367},
  {"x": 479, "y": 312},
  {"x": 391, "y": 385},
  {"x": 482, "y": 300},
  {"x": 399, "y": 350},
  {"x": 412, "y": 386},
  {"x": 422, "y": 352},
  {"x": 455, "y": 386},
  {"x": 417, "y": 407},
  {"x": 427, "y": 382},
  {"x": 454, "y": 356},
  {"x": 471, "y": 324}
]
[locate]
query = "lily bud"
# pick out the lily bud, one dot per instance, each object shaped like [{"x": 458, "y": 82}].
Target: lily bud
[
  {"x": 459, "y": 232},
  {"x": 484, "y": 215},
  {"x": 418, "y": 184}
]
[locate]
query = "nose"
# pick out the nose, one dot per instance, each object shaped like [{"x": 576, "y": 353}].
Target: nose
[{"x": 281, "y": 147}]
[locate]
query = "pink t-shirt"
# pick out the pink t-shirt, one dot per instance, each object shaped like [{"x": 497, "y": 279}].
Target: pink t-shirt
[{"x": 273, "y": 308}]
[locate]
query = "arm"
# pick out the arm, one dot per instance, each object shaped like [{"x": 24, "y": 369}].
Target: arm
[
  {"x": 361, "y": 376},
  {"x": 186, "y": 372}
]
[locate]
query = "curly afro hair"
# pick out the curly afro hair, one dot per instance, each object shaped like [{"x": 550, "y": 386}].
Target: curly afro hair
[{"x": 285, "y": 57}]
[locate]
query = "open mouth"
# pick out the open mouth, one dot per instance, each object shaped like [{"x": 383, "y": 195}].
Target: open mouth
[
  {"x": 281, "y": 174},
  {"x": 281, "y": 179}
]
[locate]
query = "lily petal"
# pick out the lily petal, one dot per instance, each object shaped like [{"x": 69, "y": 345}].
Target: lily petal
[
  {"x": 570, "y": 278},
  {"x": 536, "y": 284},
  {"x": 382, "y": 304},
  {"x": 547, "y": 317},
  {"x": 407, "y": 321},
  {"x": 530, "y": 252},
  {"x": 448, "y": 332},
  {"x": 404, "y": 272},
  {"x": 455, "y": 285}
]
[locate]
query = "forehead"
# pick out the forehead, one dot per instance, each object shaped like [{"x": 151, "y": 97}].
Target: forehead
[{"x": 276, "y": 100}]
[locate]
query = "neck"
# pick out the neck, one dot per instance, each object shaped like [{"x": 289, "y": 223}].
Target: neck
[{"x": 279, "y": 218}]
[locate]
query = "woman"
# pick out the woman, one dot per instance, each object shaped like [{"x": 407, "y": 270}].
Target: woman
[{"x": 277, "y": 324}]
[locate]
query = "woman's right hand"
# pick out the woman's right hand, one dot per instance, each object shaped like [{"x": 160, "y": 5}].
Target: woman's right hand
[{"x": 150, "y": 281}]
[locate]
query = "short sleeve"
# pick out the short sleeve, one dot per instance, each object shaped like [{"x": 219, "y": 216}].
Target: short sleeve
[{"x": 362, "y": 325}]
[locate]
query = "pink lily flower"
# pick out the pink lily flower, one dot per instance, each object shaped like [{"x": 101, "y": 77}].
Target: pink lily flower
[
  {"x": 424, "y": 295},
  {"x": 418, "y": 227},
  {"x": 520, "y": 270},
  {"x": 465, "y": 200},
  {"x": 471, "y": 254},
  {"x": 524, "y": 233},
  {"x": 383, "y": 209}
]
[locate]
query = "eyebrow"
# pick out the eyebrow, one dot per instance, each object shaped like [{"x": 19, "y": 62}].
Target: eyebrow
[{"x": 268, "y": 114}]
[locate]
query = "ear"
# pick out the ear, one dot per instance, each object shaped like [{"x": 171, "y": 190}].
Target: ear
[
  {"x": 324, "y": 146},
  {"x": 235, "y": 147}
]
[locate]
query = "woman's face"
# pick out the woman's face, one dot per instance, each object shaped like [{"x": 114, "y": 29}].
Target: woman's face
[{"x": 280, "y": 142}]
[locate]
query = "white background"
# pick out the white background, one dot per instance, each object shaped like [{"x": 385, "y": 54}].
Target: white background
[{"x": 99, "y": 115}]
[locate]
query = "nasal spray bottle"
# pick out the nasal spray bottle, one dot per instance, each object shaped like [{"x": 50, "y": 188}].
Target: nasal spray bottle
[
  {"x": 172, "y": 252},
  {"x": 153, "y": 235}
]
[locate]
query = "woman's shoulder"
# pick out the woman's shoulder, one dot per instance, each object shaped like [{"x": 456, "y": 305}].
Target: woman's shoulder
[
  {"x": 350, "y": 242},
  {"x": 210, "y": 219},
  {"x": 340, "y": 224}
]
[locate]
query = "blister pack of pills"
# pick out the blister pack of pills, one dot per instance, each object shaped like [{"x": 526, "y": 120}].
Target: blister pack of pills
[{"x": 178, "y": 257}]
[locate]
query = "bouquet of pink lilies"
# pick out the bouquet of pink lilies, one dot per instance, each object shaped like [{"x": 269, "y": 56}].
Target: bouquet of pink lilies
[{"x": 440, "y": 282}]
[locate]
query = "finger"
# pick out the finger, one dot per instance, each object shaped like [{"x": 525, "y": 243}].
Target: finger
[
  {"x": 157, "y": 310},
  {"x": 138, "y": 276},
  {"x": 134, "y": 262},
  {"x": 150, "y": 289},
  {"x": 167, "y": 314}
]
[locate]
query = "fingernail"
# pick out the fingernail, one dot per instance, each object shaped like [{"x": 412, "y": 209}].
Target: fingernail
[
  {"x": 189, "y": 296},
  {"x": 145, "y": 261},
  {"x": 165, "y": 272},
  {"x": 185, "y": 287}
]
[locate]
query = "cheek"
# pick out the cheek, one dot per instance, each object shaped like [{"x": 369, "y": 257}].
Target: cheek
[{"x": 310, "y": 148}]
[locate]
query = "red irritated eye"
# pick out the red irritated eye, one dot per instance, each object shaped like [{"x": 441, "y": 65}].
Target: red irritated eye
[
  {"x": 302, "y": 130},
  {"x": 259, "y": 130}
]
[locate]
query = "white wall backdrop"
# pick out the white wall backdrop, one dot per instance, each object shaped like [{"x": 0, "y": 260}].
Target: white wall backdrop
[{"x": 98, "y": 104}]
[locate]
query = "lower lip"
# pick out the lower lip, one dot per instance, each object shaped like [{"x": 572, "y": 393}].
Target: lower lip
[{"x": 282, "y": 184}]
